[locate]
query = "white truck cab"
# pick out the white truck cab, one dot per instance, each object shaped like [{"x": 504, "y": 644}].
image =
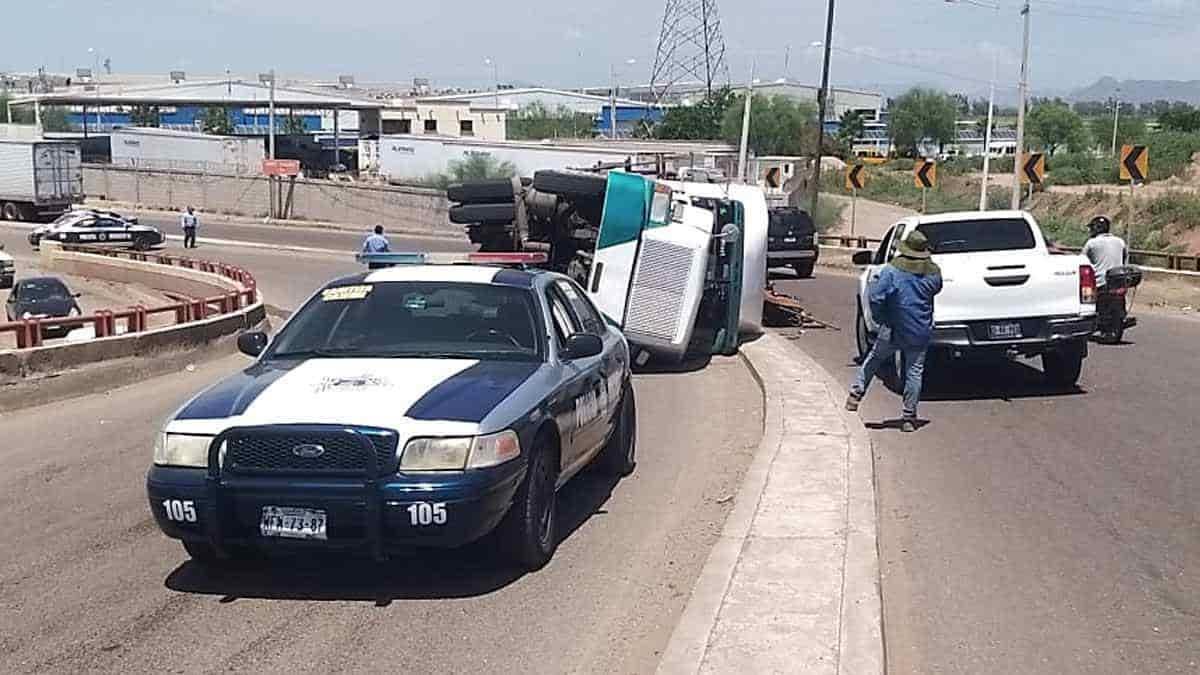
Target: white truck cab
[{"x": 1004, "y": 293}]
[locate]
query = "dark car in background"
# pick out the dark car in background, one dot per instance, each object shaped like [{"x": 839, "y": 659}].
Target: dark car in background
[
  {"x": 792, "y": 240},
  {"x": 42, "y": 297}
]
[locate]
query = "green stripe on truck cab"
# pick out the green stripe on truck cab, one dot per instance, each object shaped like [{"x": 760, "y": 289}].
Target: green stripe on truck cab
[{"x": 626, "y": 200}]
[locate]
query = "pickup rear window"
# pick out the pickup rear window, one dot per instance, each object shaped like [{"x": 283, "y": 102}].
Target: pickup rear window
[{"x": 975, "y": 236}]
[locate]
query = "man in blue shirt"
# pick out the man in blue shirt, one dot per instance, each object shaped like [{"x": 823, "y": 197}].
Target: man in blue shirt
[
  {"x": 376, "y": 243},
  {"x": 901, "y": 300}
]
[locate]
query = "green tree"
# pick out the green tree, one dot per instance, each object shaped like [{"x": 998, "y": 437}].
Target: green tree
[
  {"x": 1180, "y": 117},
  {"x": 1130, "y": 129},
  {"x": 850, "y": 127},
  {"x": 778, "y": 126},
  {"x": 701, "y": 121},
  {"x": 291, "y": 125},
  {"x": 216, "y": 120},
  {"x": 54, "y": 118},
  {"x": 144, "y": 116},
  {"x": 534, "y": 122},
  {"x": 923, "y": 115},
  {"x": 1053, "y": 125}
]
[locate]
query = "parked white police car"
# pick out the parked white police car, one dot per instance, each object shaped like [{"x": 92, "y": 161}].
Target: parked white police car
[
  {"x": 97, "y": 228},
  {"x": 414, "y": 405}
]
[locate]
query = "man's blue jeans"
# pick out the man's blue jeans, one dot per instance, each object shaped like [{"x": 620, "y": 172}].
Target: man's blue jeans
[{"x": 882, "y": 355}]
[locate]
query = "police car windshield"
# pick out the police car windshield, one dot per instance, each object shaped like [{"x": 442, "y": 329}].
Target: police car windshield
[{"x": 413, "y": 319}]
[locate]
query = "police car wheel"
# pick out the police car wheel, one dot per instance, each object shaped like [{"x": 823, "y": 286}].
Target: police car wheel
[
  {"x": 141, "y": 243},
  {"x": 528, "y": 534},
  {"x": 620, "y": 454}
]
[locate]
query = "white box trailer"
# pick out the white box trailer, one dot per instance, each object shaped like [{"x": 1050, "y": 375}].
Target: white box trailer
[
  {"x": 409, "y": 157},
  {"x": 40, "y": 179},
  {"x": 166, "y": 149}
]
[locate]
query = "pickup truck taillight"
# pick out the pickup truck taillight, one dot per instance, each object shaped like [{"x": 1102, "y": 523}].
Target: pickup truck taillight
[{"x": 1087, "y": 285}]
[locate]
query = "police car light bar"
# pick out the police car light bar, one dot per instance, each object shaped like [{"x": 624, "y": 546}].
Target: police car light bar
[{"x": 429, "y": 258}]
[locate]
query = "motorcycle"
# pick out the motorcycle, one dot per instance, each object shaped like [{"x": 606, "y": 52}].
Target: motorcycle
[{"x": 1112, "y": 304}]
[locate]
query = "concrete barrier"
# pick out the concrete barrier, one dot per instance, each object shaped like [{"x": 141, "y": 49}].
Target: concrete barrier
[
  {"x": 410, "y": 209},
  {"x": 21, "y": 364}
]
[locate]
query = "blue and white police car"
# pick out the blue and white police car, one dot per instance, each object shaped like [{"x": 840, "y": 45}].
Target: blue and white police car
[{"x": 415, "y": 405}]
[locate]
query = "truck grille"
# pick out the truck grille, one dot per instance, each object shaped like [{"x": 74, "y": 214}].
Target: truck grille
[
  {"x": 270, "y": 451},
  {"x": 657, "y": 297}
]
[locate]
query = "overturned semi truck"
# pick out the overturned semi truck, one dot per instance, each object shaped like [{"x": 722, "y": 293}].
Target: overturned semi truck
[{"x": 679, "y": 266}]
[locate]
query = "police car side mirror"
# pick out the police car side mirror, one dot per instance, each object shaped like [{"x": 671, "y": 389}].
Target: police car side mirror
[
  {"x": 132, "y": 221},
  {"x": 252, "y": 343},
  {"x": 582, "y": 346},
  {"x": 862, "y": 257}
]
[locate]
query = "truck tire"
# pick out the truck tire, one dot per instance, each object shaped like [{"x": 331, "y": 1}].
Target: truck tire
[
  {"x": 482, "y": 192},
  {"x": 570, "y": 184},
  {"x": 10, "y": 211},
  {"x": 1063, "y": 368},
  {"x": 482, "y": 213}
]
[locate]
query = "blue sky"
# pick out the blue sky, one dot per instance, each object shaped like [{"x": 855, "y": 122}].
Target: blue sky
[{"x": 886, "y": 43}]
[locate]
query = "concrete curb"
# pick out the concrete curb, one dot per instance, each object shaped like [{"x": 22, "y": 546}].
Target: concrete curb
[{"x": 846, "y": 635}]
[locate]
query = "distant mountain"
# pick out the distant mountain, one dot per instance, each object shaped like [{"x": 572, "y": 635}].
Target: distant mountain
[{"x": 1139, "y": 91}]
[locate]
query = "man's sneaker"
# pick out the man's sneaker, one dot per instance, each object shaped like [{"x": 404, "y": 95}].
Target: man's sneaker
[
  {"x": 908, "y": 426},
  {"x": 852, "y": 402}
]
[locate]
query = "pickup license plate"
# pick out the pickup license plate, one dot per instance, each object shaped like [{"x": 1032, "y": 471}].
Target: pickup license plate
[
  {"x": 292, "y": 523},
  {"x": 1004, "y": 331},
  {"x": 789, "y": 240}
]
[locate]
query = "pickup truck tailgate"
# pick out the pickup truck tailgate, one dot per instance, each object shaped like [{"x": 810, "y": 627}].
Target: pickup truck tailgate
[{"x": 1006, "y": 285}]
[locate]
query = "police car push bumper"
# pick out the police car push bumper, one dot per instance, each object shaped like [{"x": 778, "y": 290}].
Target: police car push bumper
[{"x": 377, "y": 511}]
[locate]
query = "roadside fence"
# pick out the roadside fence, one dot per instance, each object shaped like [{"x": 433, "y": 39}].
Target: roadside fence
[{"x": 32, "y": 332}]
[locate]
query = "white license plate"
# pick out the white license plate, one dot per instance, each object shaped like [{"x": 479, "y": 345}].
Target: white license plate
[
  {"x": 1004, "y": 331},
  {"x": 789, "y": 240},
  {"x": 291, "y": 522}
]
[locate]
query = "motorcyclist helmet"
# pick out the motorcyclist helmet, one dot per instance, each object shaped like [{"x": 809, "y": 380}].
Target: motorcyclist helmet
[{"x": 1099, "y": 225}]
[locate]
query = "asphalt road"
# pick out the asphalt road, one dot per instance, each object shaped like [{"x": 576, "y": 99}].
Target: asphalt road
[
  {"x": 1026, "y": 530},
  {"x": 87, "y": 583}
]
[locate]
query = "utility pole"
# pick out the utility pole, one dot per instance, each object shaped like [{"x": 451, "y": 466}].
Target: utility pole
[
  {"x": 1024, "y": 92},
  {"x": 987, "y": 136},
  {"x": 1116, "y": 119},
  {"x": 744, "y": 150},
  {"x": 271, "y": 117},
  {"x": 822, "y": 97},
  {"x": 612, "y": 101}
]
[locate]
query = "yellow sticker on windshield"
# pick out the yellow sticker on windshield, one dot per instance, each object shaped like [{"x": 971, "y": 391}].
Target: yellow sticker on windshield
[{"x": 346, "y": 293}]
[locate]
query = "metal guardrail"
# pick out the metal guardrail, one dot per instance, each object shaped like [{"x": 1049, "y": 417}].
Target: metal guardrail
[
  {"x": 31, "y": 332},
  {"x": 1161, "y": 259}
]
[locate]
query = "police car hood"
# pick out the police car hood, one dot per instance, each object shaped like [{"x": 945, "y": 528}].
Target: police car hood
[{"x": 412, "y": 396}]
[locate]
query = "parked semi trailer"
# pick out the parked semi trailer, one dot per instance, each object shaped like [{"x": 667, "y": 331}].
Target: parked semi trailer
[
  {"x": 679, "y": 266},
  {"x": 39, "y": 180}
]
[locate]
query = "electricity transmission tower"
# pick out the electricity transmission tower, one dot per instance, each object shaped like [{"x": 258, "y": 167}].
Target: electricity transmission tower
[{"x": 690, "y": 47}]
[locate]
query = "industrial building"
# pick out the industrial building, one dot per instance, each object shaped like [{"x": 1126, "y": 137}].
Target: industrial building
[{"x": 631, "y": 115}]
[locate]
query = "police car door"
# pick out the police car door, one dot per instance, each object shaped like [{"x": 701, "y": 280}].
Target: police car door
[
  {"x": 581, "y": 413},
  {"x": 612, "y": 361}
]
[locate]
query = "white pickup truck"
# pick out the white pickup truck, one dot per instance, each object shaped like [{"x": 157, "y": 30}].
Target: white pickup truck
[{"x": 1005, "y": 294}]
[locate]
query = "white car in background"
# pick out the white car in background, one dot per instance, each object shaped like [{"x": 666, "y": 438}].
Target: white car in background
[{"x": 1004, "y": 294}]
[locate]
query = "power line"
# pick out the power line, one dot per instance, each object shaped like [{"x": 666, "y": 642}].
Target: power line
[{"x": 923, "y": 69}]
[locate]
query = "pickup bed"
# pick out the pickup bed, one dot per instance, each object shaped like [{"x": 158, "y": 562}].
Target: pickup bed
[{"x": 1004, "y": 293}]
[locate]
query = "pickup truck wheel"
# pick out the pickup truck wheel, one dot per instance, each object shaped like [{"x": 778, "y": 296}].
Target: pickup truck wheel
[
  {"x": 570, "y": 183},
  {"x": 619, "y": 456},
  {"x": 1063, "y": 368},
  {"x": 804, "y": 270},
  {"x": 528, "y": 534},
  {"x": 862, "y": 338}
]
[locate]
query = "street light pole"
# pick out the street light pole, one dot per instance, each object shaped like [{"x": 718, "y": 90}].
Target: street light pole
[
  {"x": 612, "y": 101},
  {"x": 1024, "y": 92},
  {"x": 822, "y": 99},
  {"x": 271, "y": 116},
  {"x": 744, "y": 150},
  {"x": 987, "y": 136},
  {"x": 495, "y": 79},
  {"x": 1116, "y": 119}
]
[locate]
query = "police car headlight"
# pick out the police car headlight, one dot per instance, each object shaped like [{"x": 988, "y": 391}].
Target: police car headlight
[
  {"x": 456, "y": 454},
  {"x": 494, "y": 449},
  {"x": 436, "y": 454},
  {"x": 181, "y": 450}
]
